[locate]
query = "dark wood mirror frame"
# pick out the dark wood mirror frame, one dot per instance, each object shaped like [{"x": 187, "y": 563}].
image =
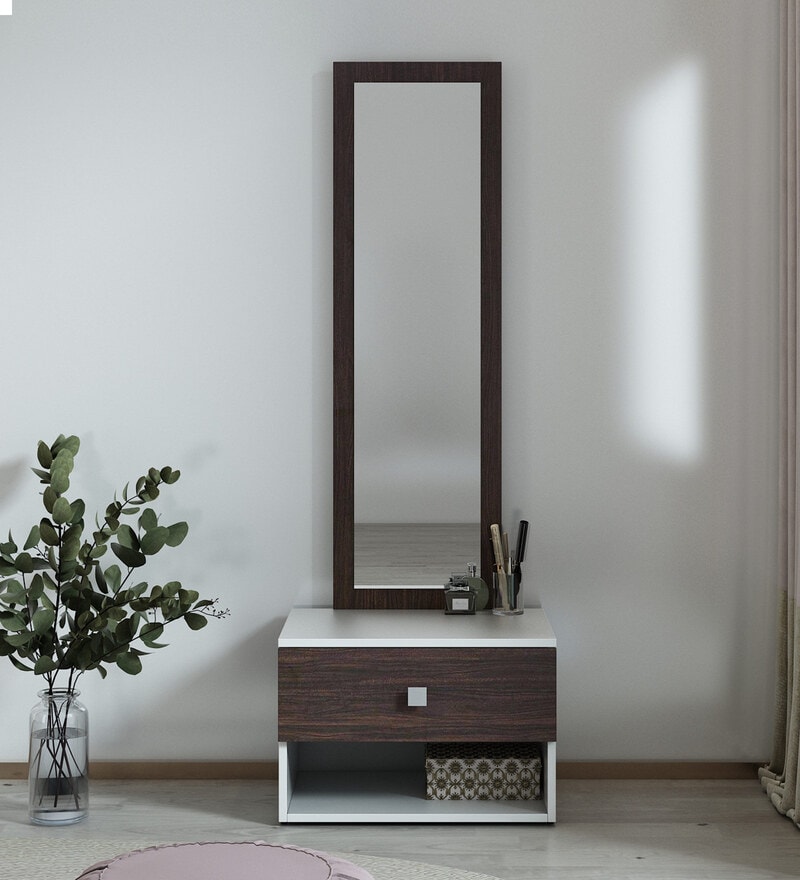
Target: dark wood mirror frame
[{"x": 345, "y": 75}]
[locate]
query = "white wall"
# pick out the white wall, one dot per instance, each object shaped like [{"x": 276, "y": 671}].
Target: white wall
[{"x": 165, "y": 203}]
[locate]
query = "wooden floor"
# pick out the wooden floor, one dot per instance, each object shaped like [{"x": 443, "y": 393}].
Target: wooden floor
[{"x": 607, "y": 830}]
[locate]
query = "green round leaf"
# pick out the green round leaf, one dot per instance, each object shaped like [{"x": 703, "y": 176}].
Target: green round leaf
[
  {"x": 42, "y": 620},
  {"x": 68, "y": 568},
  {"x": 62, "y": 511},
  {"x": 64, "y": 459},
  {"x": 195, "y": 621},
  {"x": 44, "y": 455},
  {"x": 177, "y": 532},
  {"x": 45, "y": 664},
  {"x": 150, "y": 491},
  {"x": 12, "y": 621},
  {"x": 127, "y": 537},
  {"x": 100, "y": 577},
  {"x": 24, "y": 563},
  {"x": 48, "y": 533},
  {"x": 129, "y": 663},
  {"x": 78, "y": 509},
  {"x": 13, "y": 591},
  {"x": 70, "y": 547},
  {"x": 59, "y": 480},
  {"x": 148, "y": 520},
  {"x": 20, "y": 638},
  {"x": 151, "y": 631},
  {"x": 49, "y": 497},
  {"x": 125, "y": 630},
  {"x": 154, "y": 540},
  {"x": 131, "y": 558},
  {"x": 113, "y": 577},
  {"x": 36, "y": 589},
  {"x": 33, "y": 538}
]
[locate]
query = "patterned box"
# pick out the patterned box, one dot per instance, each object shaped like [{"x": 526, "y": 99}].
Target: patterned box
[{"x": 483, "y": 771}]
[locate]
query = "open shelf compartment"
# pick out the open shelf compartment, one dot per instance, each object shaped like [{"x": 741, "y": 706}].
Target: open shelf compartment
[{"x": 385, "y": 782}]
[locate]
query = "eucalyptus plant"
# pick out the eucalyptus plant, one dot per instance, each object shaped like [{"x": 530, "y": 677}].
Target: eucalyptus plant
[{"x": 62, "y": 612}]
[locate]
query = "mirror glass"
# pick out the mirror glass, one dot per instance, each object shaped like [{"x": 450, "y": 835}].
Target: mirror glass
[{"x": 417, "y": 340}]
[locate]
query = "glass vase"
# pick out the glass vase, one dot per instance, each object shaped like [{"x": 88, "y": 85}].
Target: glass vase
[{"x": 58, "y": 759}]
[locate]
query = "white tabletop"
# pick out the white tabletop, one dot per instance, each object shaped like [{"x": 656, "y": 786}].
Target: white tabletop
[{"x": 326, "y": 628}]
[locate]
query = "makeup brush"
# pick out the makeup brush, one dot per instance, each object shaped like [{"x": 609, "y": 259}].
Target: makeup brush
[
  {"x": 522, "y": 540},
  {"x": 499, "y": 563}
]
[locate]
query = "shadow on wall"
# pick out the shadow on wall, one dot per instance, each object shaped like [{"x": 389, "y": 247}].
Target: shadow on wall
[{"x": 11, "y": 475}]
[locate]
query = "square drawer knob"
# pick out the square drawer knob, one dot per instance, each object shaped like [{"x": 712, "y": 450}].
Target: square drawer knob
[{"x": 417, "y": 696}]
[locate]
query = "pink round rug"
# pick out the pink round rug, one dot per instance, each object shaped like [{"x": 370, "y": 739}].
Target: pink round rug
[{"x": 225, "y": 861}]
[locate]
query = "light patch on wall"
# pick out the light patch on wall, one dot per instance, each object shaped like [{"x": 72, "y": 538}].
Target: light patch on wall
[
  {"x": 5, "y": 7},
  {"x": 663, "y": 283}
]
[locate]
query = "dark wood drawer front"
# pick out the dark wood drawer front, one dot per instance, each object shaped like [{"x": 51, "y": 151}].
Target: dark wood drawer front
[{"x": 361, "y": 694}]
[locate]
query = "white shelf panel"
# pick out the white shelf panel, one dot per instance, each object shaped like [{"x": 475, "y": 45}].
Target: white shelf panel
[
  {"x": 329, "y": 628},
  {"x": 393, "y": 796}
]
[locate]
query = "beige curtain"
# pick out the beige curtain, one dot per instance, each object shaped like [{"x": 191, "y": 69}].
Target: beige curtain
[{"x": 781, "y": 779}]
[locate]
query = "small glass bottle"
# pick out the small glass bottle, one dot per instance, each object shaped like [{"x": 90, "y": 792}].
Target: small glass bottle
[
  {"x": 58, "y": 759},
  {"x": 459, "y": 597}
]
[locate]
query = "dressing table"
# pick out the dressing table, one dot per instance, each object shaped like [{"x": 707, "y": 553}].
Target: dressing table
[
  {"x": 364, "y": 685},
  {"x": 361, "y": 692}
]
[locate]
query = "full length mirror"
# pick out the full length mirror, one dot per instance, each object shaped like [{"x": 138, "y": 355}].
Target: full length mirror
[{"x": 416, "y": 327}]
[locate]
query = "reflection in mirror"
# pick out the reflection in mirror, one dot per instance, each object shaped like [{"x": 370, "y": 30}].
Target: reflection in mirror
[{"x": 417, "y": 229}]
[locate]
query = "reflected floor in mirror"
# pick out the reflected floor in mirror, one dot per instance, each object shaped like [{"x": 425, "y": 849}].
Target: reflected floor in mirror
[
  {"x": 413, "y": 554},
  {"x": 607, "y": 830}
]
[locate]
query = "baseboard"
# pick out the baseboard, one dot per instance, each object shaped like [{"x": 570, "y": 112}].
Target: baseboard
[
  {"x": 269, "y": 770},
  {"x": 657, "y": 770},
  {"x": 164, "y": 770}
]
